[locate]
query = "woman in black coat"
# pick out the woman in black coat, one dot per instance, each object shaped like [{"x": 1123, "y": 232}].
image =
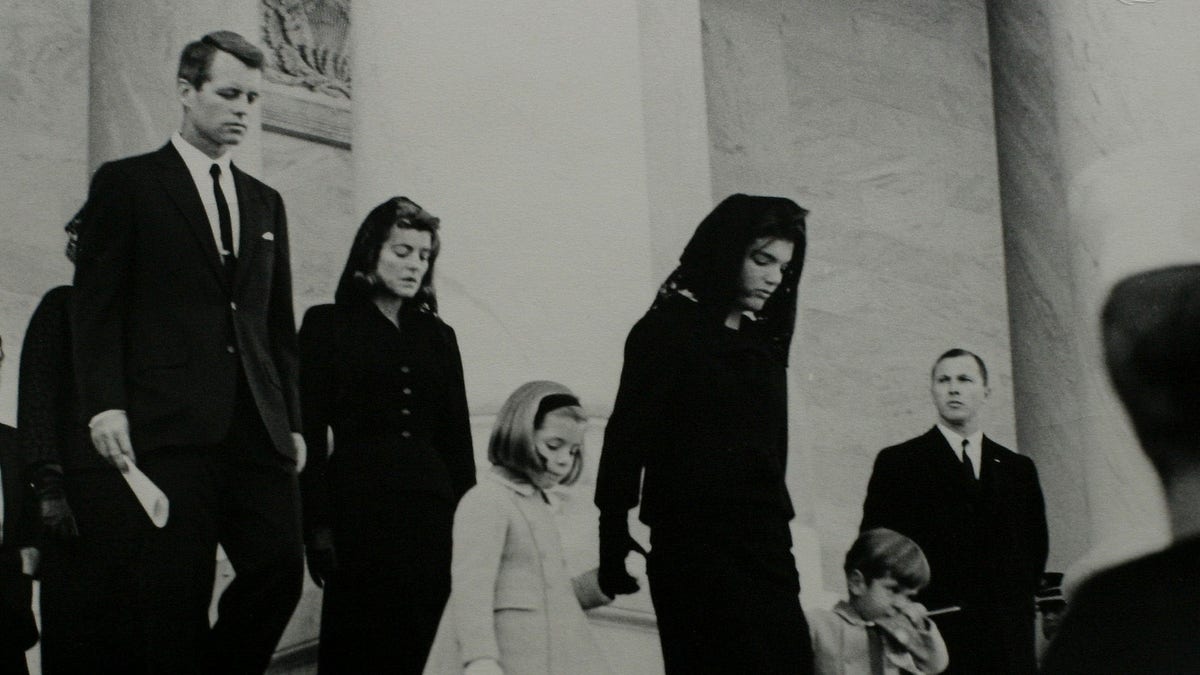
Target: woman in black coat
[
  {"x": 91, "y": 526},
  {"x": 702, "y": 408},
  {"x": 382, "y": 377}
]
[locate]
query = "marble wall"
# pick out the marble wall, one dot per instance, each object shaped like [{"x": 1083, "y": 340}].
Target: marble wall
[
  {"x": 43, "y": 168},
  {"x": 877, "y": 116}
]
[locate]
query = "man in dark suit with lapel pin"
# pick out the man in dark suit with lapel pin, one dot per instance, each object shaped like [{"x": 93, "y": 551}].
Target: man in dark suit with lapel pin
[
  {"x": 976, "y": 509},
  {"x": 18, "y": 631},
  {"x": 185, "y": 354}
]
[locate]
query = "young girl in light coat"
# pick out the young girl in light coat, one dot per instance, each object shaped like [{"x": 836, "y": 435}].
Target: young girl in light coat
[{"x": 513, "y": 607}]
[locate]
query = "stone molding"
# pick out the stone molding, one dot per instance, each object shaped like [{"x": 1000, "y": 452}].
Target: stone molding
[{"x": 308, "y": 69}]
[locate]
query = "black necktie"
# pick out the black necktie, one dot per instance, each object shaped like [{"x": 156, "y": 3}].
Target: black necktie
[
  {"x": 968, "y": 467},
  {"x": 226, "y": 221}
]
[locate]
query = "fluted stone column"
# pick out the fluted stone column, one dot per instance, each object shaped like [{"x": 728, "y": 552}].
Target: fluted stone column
[
  {"x": 135, "y": 48},
  {"x": 1099, "y": 150}
]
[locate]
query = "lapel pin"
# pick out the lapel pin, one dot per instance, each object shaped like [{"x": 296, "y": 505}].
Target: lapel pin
[{"x": 269, "y": 236}]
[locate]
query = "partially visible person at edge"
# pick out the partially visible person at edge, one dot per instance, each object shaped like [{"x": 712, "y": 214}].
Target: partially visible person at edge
[
  {"x": 382, "y": 372},
  {"x": 513, "y": 607},
  {"x": 1144, "y": 616},
  {"x": 184, "y": 348},
  {"x": 702, "y": 408},
  {"x": 18, "y": 631},
  {"x": 91, "y": 526}
]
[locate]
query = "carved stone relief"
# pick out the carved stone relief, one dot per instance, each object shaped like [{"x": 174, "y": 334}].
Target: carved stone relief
[{"x": 308, "y": 65}]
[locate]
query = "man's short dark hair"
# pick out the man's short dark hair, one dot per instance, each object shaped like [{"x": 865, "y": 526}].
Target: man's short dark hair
[
  {"x": 881, "y": 552},
  {"x": 955, "y": 353},
  {"x": 196, "y": 60},
  {"x": 1151, "y": 330}
]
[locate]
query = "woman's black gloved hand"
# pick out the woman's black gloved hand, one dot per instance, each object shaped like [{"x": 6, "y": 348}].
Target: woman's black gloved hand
[
  {"x": 58, "y": 521},
  {"x": 615, "y": 544},
  {"x": 321, "y": 557}
]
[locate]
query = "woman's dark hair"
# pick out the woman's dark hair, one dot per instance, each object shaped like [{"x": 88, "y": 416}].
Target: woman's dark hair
[
  {"x": 710, "y": 267},
  {"x": 711, "y": 263},
  {"x": 358, "y": 282}
]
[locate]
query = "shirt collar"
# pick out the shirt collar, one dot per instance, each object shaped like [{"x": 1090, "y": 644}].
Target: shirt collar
[
  {"x": 955, "y": 439},
  {"x": 197, "y": 162}
]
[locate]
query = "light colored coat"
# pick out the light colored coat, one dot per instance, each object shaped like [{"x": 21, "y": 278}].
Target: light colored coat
[
  {"x": 842, "y": 646},
  {"x": 511, "y": 597}
]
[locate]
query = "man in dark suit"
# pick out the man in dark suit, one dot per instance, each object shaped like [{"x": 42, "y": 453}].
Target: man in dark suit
[
  {"x": 976, "y": 509},
  {"x": 185, "y": 354},
  {"x": 1144, "y": 616},
  {"x": 18, "y": 631}
]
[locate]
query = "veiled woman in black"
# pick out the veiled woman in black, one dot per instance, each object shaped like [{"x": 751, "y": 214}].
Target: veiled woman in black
[
  {"x": 381, "y": 374},
  {"x": 702, "y": 408}
]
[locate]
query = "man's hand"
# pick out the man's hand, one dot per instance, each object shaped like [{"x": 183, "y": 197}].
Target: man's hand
[
  {"x": 110, "y": 435},
  {"x": 301, "y": 451}
]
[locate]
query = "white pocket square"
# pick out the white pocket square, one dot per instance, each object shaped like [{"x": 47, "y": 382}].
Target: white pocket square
[{"x": 269, "y": 236}]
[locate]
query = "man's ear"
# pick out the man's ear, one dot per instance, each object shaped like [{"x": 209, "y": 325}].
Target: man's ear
[
  {"x": 856, "y": 583},
  {"x": 183, "y": 89}
]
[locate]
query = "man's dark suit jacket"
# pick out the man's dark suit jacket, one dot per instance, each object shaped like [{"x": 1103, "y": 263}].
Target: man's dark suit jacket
[
  {"x": 160, "y": 331},
  {"x": 18, "y": 631},
  {"x": 986, "y": 542}
]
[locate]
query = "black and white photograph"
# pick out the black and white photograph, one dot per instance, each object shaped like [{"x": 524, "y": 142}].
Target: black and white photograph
[{"x": 627, "y": 337}]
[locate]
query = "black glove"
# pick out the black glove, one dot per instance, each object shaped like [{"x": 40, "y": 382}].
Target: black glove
[
  {"x": 58, "y": 522},
  {"x": 321, "y": 556},
  {"x": 615, "y": 544}
]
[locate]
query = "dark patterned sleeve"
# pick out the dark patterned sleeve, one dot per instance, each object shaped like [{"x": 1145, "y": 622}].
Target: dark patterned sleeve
[
  {"x": 317, "y": 347},
  {"x": 42, "y": 413},
  {"x": 633, "y": 428},
  {"x": 453, "y": 436}
]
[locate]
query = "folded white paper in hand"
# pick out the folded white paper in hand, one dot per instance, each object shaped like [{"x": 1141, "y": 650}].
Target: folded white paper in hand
[{"x": 152, "y": 499}]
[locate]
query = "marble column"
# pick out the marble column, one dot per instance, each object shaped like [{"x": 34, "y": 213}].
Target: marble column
[
  {"x": 135, "y": 48},
  {"x": 1099, "y": 149}
]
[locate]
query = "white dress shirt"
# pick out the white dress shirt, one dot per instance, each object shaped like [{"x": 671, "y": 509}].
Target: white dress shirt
[
  {"x": 198, "y": 165},
  {"x": 974, "y": 446}
]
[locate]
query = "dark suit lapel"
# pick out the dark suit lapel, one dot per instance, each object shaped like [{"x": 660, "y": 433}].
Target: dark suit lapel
[
  {"x": 250, "y": 211},
  {"x": 992, "y": 473},
  {"x": 177, "y": 182}
]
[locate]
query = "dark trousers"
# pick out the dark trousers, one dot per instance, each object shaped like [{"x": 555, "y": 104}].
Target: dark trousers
[
  {"x": 382, "y": 607},
  {"x": 90, "y": 586},
  {"x": 17, "y": 629},
  {"x": 727, "y": 599},
  {"x": 997, "y": 640},
  {"x": 243, "y": 495}
]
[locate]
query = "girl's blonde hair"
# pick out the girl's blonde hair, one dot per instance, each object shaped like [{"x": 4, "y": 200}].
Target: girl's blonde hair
[{"x": 512, "y": 442}]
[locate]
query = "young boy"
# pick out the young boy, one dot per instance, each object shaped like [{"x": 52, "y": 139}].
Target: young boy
[{"x": 880, "y": 630}]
